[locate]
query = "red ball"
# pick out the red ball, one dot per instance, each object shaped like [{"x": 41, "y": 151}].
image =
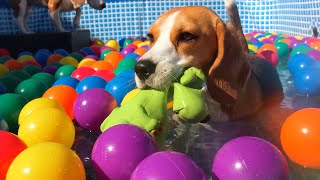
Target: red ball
[
  {"x": 96, "y": 49},
  {"x": 13, "y": 64},
  {"x": 11, "y": 146},
  {"x": 82, "y": 72},
  {"x": 4, "y": 52},
  {"x": 105, "y": 74}
]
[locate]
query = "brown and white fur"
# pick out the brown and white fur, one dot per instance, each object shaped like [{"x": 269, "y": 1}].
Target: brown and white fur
[{"x": 22, "y": 10}]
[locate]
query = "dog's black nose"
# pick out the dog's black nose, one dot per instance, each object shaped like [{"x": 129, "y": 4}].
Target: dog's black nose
[
  {"x": 103, "y": 6},
  {"x": 144, "y": 68}
]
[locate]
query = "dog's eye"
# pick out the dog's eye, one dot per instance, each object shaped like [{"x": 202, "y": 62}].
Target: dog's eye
[
  {"x": 151, "y": 38},
  {"x": 186, "y": 37}
]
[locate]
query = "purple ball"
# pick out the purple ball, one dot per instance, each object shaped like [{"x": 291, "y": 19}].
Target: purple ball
[
  {"x": 50, "y": 69},
  {"x": 92, "y": 57},
  {"x": 253, "y": 40},
  {"x": 127, "y": 51},
  {"x": 168, "y": 165},
  {"x": 267, "y": 41},
  {"x": 315, "y": 54},
  {"x": 294, "y": 43},
  {"x": 92, "y": 107},
  {"x": 119, "y": 150},
  {"x": 249, "y": 158},
  {"x": 273, "y": 37}
]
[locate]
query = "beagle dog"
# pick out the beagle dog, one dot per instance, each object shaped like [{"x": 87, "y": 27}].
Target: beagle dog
[
  {"x": 22, "y": 9},
  {"x": 239, "y": 84}
]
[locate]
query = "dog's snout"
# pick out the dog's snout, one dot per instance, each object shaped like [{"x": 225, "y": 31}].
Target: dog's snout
[{"x": 144, "y": 68}]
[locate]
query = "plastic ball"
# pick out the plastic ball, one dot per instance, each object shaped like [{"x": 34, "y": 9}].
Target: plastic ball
[
  {"x": 87, "y": 51},
  {"x": 98, "y": 42},
  {"x": 121, "y": 41},
  {"x": 127, "y": 62},
  {"x": 20, "y": 74},
  {"x": 127, "y": 51},
  {"x": 102, "y": 65},
  {"x": 31, "y": 89},
  {"x": 267, "y": 47},
  {"x": 10, "y": 107},
  {"x": 311, "y": 41},
  {"x": 299, "y": 50},
  {"x": 13, "y": 64},
  {"x": 315, "y": 54},
  {"x": 287, "y": 41},
  {"x": 167, "y": 165},
  {"x": 249, "y": 158},
  {"x": 300, "y": 135},
  {"x": 129, "y": 74},
  {"x": 110, "y": 156},
  {"x": 294, "y": 42},
  {"x": 104, "y": 53},
  {"x": 96, "y": 49},
  {"x": 68, "y": 60},
  {"x": 64, "y": 71},
  {"x": 132, "y": 46},
  {"x": 86, "y": 62},
  {"x": 56, "y": 64},
  {"x": 24, "y": 53},
  {"x": 252, "y": 48},
  {"x": 47, "y": 125},
  {"x": 120, "y": 69},
  {"x": 41, "y": 57},
  {"x": 65, "y": 95},
  {"x": 4, "y": 59},
  {"x": 316, "y": 45},
  {"x": 3, "y": 70},
  {"x": 49, "y": 161},
  {"x": 25, "y": 58},
  {"x": 90, "y": 82},
  {"x": 271, "y": 56},
  {"x": 69, "y": 81},
  {"x": 92, "y": 57},
  {"x": 129, "y": 96},
  {"x": 258, "y": 44},
  {"x": 61, "y": 52},
  {"x": 4, "y": 52},
  {"x": 50, "y": 69},
  {"x": 3, "y": 89},
  {"x": 54, "y": 58},
  {"x": 105, "y": 74},
  {"x": 10, "y": 82},
  {"x": 92, "y": 107},
  {"x": 306, "y": 80},
  {"x": 119, "y": 87},
  {"x": 36, "y": 104},
  {"x": 45, "y": 51},
  {"x": 82, "y": 72},
  {"x": 283, "y": 50},
  {"x": 46, "y": 78},
  {"x": 11, "y": 147},
  {"x": 77, "y": 56},
  {"x": 299, "y": 62},
  {"x": 127, "y": 42},
  {"x": 34, "y": 63},
  {"x": 31, "y": 69},
  {"x": 113, "y": 58},
  {"x": 113, "y": 43}
]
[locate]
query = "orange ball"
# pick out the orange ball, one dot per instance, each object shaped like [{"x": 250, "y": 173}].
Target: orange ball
[
  {"x": 300, "y": 137},
  {"x": 87, "y": 63},
  {"x": 65, "y": 95},
  {"x": 316, "y": 45},
  {"x": 102, "y": 65},
  {"x": 13, "y": 64},
  {"x": 113, "y": 58},
  {"x": 268, "y": 47},
  {"x": 136, "y": 42},
  {"x": 54, "y": 58},
  {"x": 140, "y": 51}
]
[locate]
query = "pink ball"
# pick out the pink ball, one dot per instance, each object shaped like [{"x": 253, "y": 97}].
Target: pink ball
[{"x": 271, "y": 56}]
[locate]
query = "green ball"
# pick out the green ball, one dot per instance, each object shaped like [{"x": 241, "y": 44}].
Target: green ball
[
  {"x": 46, "y": 78},
  {"x": 57, "y": 64},
  {"x": 20, "y": 74},
  {"x": 4, "y": 59},
  {"x": 10, "y": 107},
  {"x": 104, "y": 53},
  {"x": 299, "y": 50},
  {"x": 128, "y": 62},
  {"x": 268, "y": 33},
  {"x": 10, "y": 82},
  {"x": 283, "y": 50},
  {"x": 77, "y": 56},
  {"x": 31, "y": 89},
  {"x": 249, "y": 42},
  {"x": 278, "y": 39},
  {"x": 119, "y": 69},
  {"x": 64, "y": 71},
  {"x": 127, "y": 42},
  {"x": 31, "y": 69}
]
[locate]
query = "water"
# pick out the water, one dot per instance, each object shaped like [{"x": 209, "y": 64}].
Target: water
[{"x": 202, "y": 141}]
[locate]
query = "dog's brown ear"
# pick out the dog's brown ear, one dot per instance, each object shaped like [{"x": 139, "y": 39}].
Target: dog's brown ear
[{"x": 230, "y": 70}]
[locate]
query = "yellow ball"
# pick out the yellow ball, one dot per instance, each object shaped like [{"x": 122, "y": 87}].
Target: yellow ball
[
  {"x": 256, "y": 35},
  {"x": 262, "y": 38},
  {"x": 143, "y": 44},
  {"x": 3, "y": 70},
  {"x": 46, "y": 161},
  {"x": 98, "y": 42},
  {"x": 84, "y": 61},
  {"x": 299, "y": 37},
  {"x": 37, "y": 104},
  {"x": 47, "y": 125},
  {"x": 113, "y": 43},
  {"x": 69, "y": 61},
  {"x": 25, "y": 58},
  {"x": 253, "y": 48},
  {"x": 129, "y": 96}
]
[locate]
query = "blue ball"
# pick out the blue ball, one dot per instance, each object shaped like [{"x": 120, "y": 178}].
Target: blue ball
[
  {"x": 302, "y": 44},
  {"x": 3, "y": 124},
  {"x": 62, "y": 52},
  {"x": 127, "y": 74},
  {"x": 90, "y": 82},
  {"x": 121, "y": 42},
  {"x": 24, "y": 53},
  {"x": 68, "y": 80},
  {"x": 41, "y": 57},
  {"x": 132, "y": 55},
  {"x": 119, "y": 87},
  {"x": 3, "y": 89},
  {"x": 299, "y": 62},
  {"x": 307, "y": 81},
  {"x": 258, "y": 44},
  {"x": 88, "y": 51},
  {"x": 45, "y": 51}
]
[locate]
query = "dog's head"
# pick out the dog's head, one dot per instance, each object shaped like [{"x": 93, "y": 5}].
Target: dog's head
[
  {"x": 194, "y": 36},
  {"x": 97, "y": 4}
]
